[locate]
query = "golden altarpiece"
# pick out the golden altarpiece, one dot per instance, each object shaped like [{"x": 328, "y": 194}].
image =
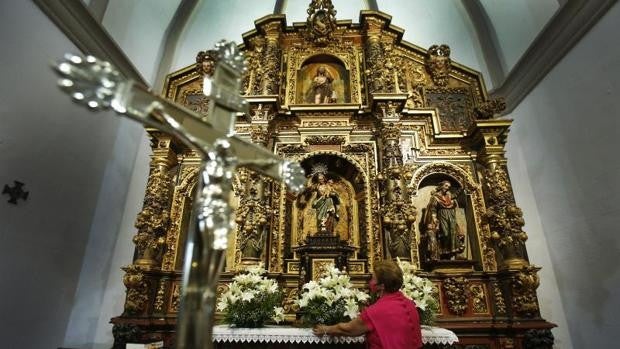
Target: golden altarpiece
[{"x": 405, "y": 158}]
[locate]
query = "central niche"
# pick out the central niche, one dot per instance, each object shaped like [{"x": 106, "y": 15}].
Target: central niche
[
  {"x": 323, "y": 79},
  {"x": 330, "y": 204}
]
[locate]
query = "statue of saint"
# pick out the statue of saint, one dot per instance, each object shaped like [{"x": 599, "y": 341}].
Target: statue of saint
[
  {"x": 444, "y": 237},
  {"x": 325, "y": 203},
  {"x": 321, "y": 90}
]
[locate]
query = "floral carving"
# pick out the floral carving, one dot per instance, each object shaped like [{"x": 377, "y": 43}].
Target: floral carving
[
  {"x": 491, "y": 108},
  {"x": 524, "y": 285},
  {"x": 500, "y": 304},
  {"x": 292, "y": 148},
  {"x": 439, "y": 64},
  {"x": 316, "y": 140},
  {"x": 153, "y": 221},
  {"x": 356, "y": 148},
  {"x": 456, "y": 294},
  {"x": 137, "y": 290},
  {"x": 504, "y": 218}
]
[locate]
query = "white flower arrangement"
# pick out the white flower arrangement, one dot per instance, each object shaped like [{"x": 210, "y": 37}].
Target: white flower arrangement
[
  {"x": 330, "y": 300},
  {"x": 251, "y": 299},
  {"x": 421, "y": 291}
]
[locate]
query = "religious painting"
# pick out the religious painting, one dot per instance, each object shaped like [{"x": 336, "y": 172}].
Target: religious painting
[{"x": 323, "y": 82}]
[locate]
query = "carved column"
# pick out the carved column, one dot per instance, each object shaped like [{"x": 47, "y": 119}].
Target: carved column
[
  {"x": 153, "y": 221},
  {"x": 374, "y": 55},
  {"x": 253, "y": 214},
  {"x": 270, "y": 81},
  {"x": 398, "y": 215},
  {"x": 504, "y": 218}
]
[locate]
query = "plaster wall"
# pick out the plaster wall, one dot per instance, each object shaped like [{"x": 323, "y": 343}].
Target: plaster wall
[{"x": 568, "y": 133}]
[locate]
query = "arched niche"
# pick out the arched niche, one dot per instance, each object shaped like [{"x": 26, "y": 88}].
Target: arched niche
[
  {"x": 468, "y": 195},
  {"x": 319, "y": 73},
  {"x": 349, "y": 182}
]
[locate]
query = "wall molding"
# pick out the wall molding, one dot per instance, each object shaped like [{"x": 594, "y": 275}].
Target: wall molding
[{"x": 75, "y": 20}]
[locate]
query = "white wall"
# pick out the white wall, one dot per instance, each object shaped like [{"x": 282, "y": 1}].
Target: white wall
[
  {"x": 138, "y": 27},
  {"x": 213, "y": 21},
  {"x": 72, "y": 164},
  {"x": 430, "y": 22},
  {"x": 568, "y": 132},
  {"x": 517, "y": 23}
]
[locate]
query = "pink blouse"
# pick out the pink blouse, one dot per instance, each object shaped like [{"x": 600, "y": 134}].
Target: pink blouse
[{"x": 393, "y": 323}]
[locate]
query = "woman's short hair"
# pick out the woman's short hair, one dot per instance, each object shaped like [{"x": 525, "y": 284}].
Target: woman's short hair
[{"x": 389, "y": 274}]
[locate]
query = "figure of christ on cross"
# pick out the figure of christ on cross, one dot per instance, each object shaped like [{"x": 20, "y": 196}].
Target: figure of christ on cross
[{"x": 99, "y": 86}]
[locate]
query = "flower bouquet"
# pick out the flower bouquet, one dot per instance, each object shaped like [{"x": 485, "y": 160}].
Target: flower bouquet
[
  {"x": 421, "y": 291},
  {"x": 330, "y": 300},
  {"x": 251, "y": 299}
]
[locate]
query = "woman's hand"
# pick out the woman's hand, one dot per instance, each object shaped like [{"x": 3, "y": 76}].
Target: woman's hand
[{"x": 320, "y": 330}]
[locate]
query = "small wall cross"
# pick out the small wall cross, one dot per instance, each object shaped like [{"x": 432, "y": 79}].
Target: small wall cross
[{"x": 16, "y": 192}]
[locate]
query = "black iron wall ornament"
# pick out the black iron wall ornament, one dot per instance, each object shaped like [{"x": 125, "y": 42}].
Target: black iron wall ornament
[{"x": 16, "y": 192}]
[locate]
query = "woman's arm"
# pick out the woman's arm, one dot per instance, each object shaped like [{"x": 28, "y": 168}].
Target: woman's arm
[{"x": 353, "y": 328}]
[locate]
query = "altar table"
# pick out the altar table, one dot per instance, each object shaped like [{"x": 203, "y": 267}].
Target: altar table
[{"x": 226, "y": 337}]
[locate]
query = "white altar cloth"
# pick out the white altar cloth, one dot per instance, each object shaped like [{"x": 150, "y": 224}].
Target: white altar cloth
[{"x": 287, "y": 334}]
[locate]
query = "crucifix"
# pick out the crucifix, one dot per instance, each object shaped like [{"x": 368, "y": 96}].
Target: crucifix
[{"x": 99, "y": 86}]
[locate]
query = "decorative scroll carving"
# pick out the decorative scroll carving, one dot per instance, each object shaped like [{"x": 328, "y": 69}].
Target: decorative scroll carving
[
  {"x": 454, "y": 106},
  {"x": 137, "y": 290},
  {"x": 439, "y": 64},
  {"x": 500, "y": 305},
  {"x": 153, "y": 221},
  {"x": 316, "y": 140},
  {"x": 290, "y": 300},
  {"x": 356, "y": 148},
  {"x": 455, "y": 291},
  {"x": 292, "y": 148},
  {"x": 321, "y": 21},
  {"x": 491, "y": 108},
  {"x": 524, "y": 285},
  {"x": 175, "y": 298},
  {"x": 479, "y": 299},
  {"x": 159, "y": 297}
]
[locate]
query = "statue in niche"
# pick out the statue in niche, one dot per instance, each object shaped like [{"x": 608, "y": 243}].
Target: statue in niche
[
  {"x": 321, "y": 90},
  {"x": 445, "y": 239},
  {"x": 252, "y": 225},
  {"x": 324, "y": 200}
]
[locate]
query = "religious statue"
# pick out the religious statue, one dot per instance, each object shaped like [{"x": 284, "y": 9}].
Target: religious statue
[
  {"x": 252, "y": 227},
  {"x": 444, "y": 237},
  {"x": 325, "y": 204},
  {"x": 321, "y": 90}
]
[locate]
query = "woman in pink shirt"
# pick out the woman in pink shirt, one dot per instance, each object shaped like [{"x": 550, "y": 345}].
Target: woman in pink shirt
[{"x": 391, "y": 323}]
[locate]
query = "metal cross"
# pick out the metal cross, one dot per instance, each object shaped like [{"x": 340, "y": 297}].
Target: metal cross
[{"x": 99, "y": 86}]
